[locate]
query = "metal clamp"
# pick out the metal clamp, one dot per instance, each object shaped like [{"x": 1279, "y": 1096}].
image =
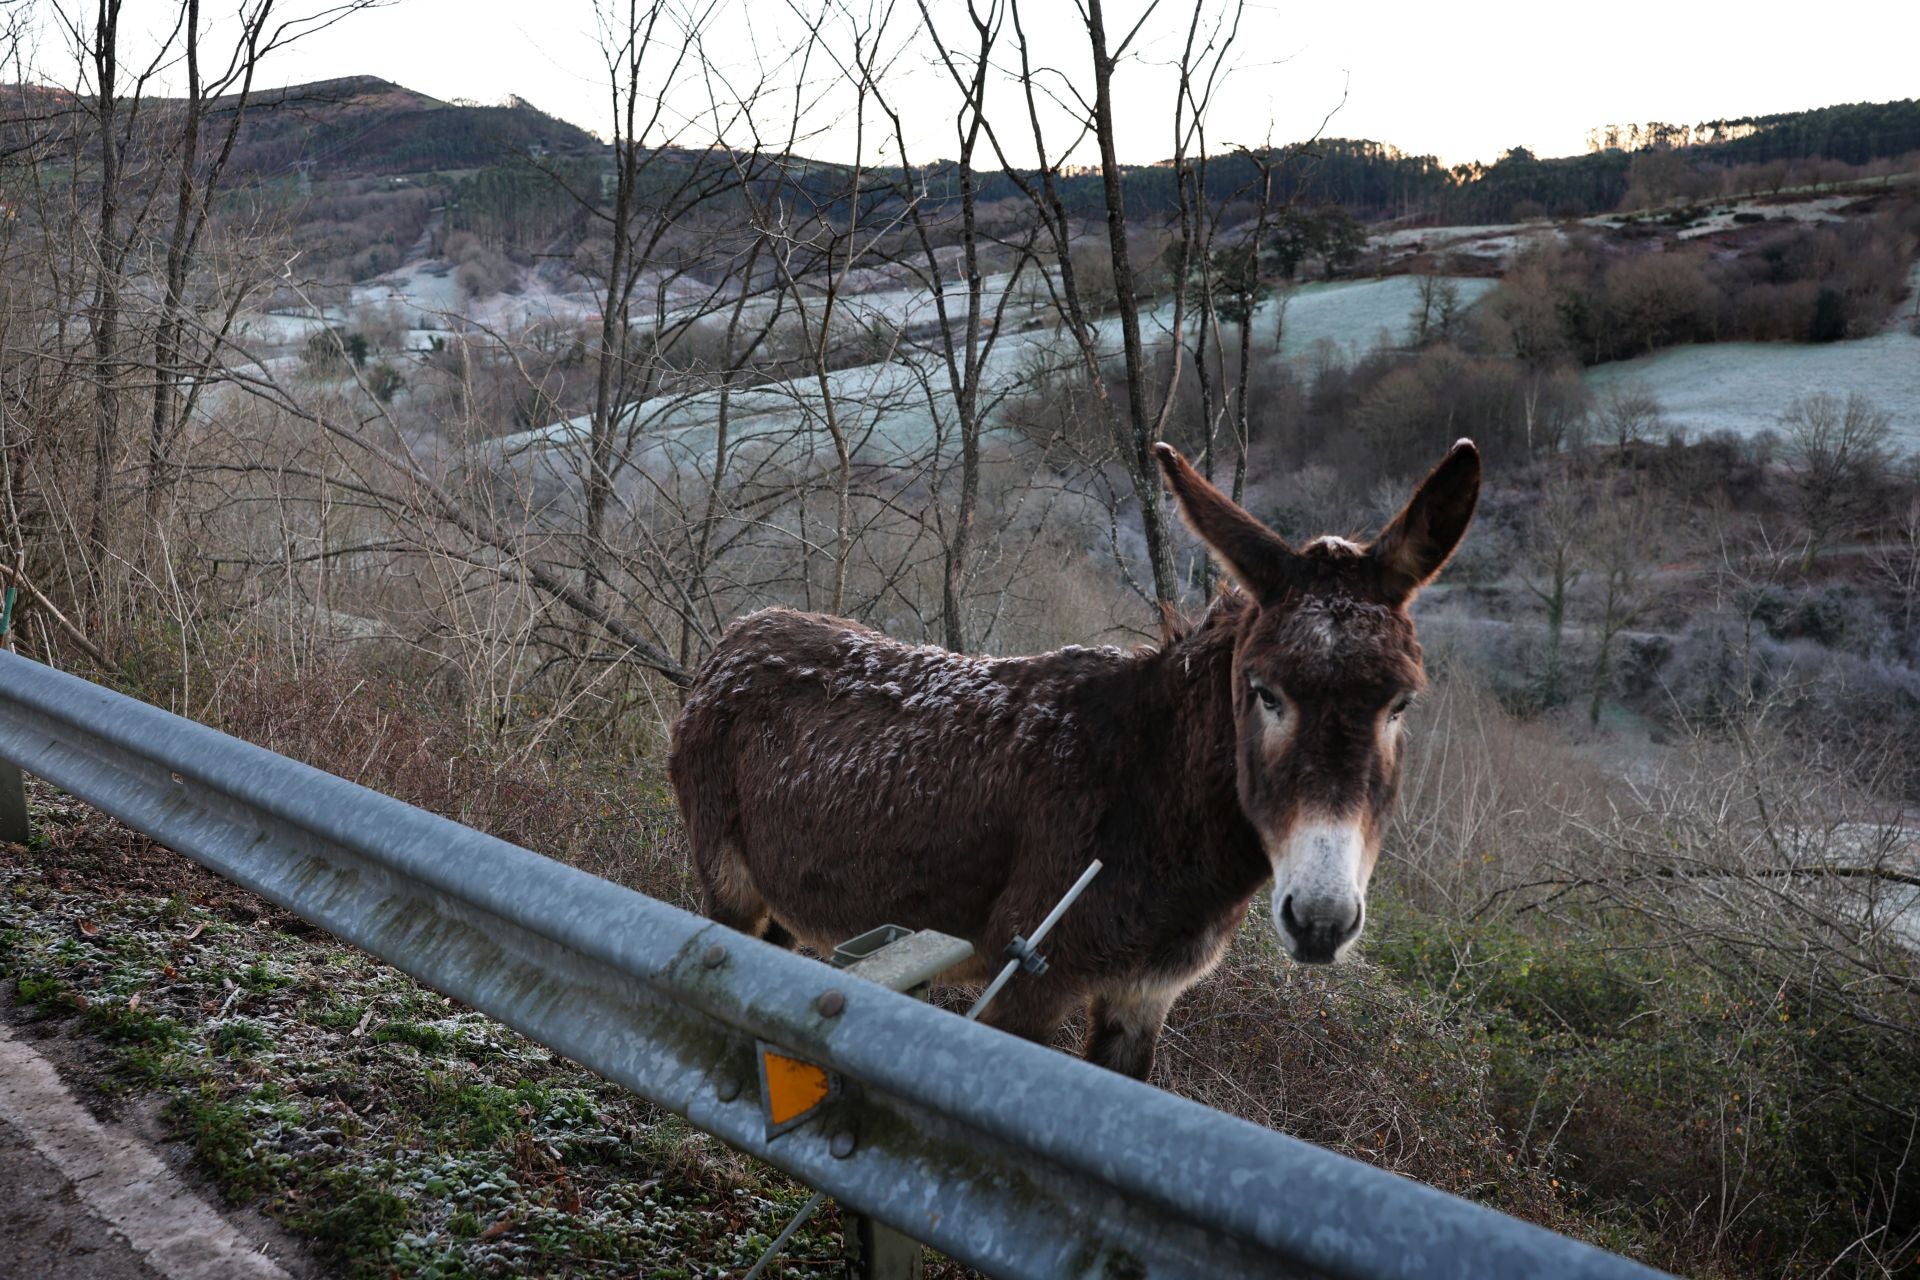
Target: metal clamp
[{"x": 1029, "y": 959}]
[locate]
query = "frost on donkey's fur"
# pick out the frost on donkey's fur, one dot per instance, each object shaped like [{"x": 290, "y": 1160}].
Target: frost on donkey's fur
[{"x": 833, "y": 779}]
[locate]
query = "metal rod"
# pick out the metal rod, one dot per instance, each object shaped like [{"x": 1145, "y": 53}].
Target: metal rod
[
  {"x": 786, "y": 1234},
  {"x": 1053, "y": 917}
]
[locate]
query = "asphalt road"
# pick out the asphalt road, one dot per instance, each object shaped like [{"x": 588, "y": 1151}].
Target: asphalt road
[
  {"x": 83, "y": 1198},
  {"x": 46, "y": 1230}
]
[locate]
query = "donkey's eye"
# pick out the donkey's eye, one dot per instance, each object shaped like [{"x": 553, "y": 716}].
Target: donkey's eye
[
  {"x": 1400, "y": 707},
  {"x": 1268, "y": 698}
]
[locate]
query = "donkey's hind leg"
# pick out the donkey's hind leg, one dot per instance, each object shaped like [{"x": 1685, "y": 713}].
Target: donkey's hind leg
[{"x": 730, "y": 898}]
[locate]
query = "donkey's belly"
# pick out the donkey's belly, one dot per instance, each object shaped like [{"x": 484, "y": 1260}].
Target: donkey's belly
[
  {"x": 827, "y": 885},
  {"x": 850, "y": 822}
]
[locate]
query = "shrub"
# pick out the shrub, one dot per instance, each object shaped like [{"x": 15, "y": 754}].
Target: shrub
[
  {"x": 330, "y": 349},
  {"x": 1829, "y": 321},
  {"x": 384, "y": 381}
]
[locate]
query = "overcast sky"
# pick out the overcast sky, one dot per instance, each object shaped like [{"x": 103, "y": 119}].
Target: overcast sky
[{"x": 1463, "y": 81}]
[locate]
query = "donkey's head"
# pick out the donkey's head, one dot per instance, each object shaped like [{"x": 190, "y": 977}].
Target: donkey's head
[{"x": 1324, "y": 665}]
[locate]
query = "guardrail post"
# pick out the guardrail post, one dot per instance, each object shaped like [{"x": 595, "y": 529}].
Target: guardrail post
[
  {"x": 13, "y": 788},
  {"x": 875, "y": 1251},
  {"x": 907, "y": 962},
  {"x": 13, "y": 805}
]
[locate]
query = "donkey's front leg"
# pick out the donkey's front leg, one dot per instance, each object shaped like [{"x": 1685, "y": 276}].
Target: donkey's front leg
[
  {"x": 1126, "y": 1025},
  {"x": 1031, "y": 1007}
]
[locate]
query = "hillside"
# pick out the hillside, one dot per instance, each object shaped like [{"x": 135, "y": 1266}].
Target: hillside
[
  {"x": 361, "y": 125},
  {"x": 354, "y": 126}
]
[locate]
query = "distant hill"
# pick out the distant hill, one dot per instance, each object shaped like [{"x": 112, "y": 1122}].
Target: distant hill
[
  {"x": 356, "y": 125},
  {"x": 365, "y": 125}
]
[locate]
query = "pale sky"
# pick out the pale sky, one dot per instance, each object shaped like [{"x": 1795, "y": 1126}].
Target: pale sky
[{"x": 1462, "y": 81}]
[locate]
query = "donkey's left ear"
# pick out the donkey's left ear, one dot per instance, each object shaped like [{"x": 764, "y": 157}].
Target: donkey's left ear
[{"x": 1417, "y": 543}]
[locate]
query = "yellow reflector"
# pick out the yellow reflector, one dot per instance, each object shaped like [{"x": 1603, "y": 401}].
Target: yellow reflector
[{"x": 793, "y": 1087}]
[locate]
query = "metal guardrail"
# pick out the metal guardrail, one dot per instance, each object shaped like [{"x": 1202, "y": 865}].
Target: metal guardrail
[{"x": 1012, "y": 1157}]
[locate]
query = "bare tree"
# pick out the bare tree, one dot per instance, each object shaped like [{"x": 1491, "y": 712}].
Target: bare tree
[
  {"x": 1436, "y": 306},
  {"x": 645, "y": 50},
  {"x": 963, "y": 359},
  {"x": 1133, "y": 432},
  {"x": 1553, "y": 568},
  {"x": 1839, "y": 452},
  {"x": 1615, "y": 546},
  {"x": 225, "y": 92},
  {"x": 1896, "y": 559},
  {"x": 1627, "y": 414}
]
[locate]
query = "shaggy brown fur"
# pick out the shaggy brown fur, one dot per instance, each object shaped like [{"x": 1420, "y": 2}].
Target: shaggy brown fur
[{"x": 833, "y": 779}]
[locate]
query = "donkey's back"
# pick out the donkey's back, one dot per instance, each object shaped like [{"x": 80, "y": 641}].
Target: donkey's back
[{"x": 833, "y": 779}]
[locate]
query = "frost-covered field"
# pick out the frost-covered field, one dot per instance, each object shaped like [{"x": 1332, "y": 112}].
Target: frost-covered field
[
  {"x": 884, "y": 409},
  {"x": 1744, "y": 387},
  {"x": 1825, "y": 209},
  {"x": 892, "y": 410},
  {"x": 396, "y": 1132},
  {"x": 1354, "y": 315},
  {"x": 1495, "y": 242}
]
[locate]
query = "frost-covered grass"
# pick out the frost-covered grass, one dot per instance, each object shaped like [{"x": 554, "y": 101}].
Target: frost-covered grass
[
  {"x": 1825, "y": 209},
  {"x": 401, "y": 1133},
  {"x": 1744, "y": 387},
  {"x": 1354, "y": 316},
  {"x": 894, "y": 408},
  {"x": 1494, "y": 243}
]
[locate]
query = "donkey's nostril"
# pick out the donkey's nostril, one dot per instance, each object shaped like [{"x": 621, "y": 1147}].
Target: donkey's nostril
[{"x": 1315, "y": 932}]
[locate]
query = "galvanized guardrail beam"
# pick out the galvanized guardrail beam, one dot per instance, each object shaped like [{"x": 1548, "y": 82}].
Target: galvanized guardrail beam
[{"x": 1009, "y": 1156}]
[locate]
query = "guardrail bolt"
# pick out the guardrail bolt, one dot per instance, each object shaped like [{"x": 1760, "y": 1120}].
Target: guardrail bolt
[
  {"x": 830, "y": 1003},
  {"x": 726, "y": 1088},
  {"x": 715, "y": 957},
  {"x": 843, "y": 1145}
]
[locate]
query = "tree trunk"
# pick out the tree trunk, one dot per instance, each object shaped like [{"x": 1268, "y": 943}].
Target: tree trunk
[
  {"x": 1142, "y": 470},
  {"x": 105, "y": 309}
]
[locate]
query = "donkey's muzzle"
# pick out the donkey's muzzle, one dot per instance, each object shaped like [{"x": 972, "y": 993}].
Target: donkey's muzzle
[{"x": 1315, "y": 931}]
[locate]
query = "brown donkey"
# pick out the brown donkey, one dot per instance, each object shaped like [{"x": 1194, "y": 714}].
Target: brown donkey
[{"x": 833, "y": 779}]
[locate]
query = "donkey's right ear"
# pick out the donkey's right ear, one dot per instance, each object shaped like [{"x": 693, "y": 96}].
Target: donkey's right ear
[{"x": 1254, "y": 554}]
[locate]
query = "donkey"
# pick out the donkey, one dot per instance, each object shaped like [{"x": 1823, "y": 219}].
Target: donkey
[{"x": 833, "y": 780}]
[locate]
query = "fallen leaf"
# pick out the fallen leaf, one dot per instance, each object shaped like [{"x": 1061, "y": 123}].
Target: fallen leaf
[
  {"x": 169, "y": 970},
  {"x": 498, "y": 1229},
  {"x": 133, "y": 1002},
  {"x": 195, "y": 931},
  {"x": 88, "y": 929}
]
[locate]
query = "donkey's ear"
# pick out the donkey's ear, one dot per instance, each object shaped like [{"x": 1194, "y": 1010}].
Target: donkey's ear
[
  {"x": 1417, "y": 543},
  {"x": 1254, "y": 554}
]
